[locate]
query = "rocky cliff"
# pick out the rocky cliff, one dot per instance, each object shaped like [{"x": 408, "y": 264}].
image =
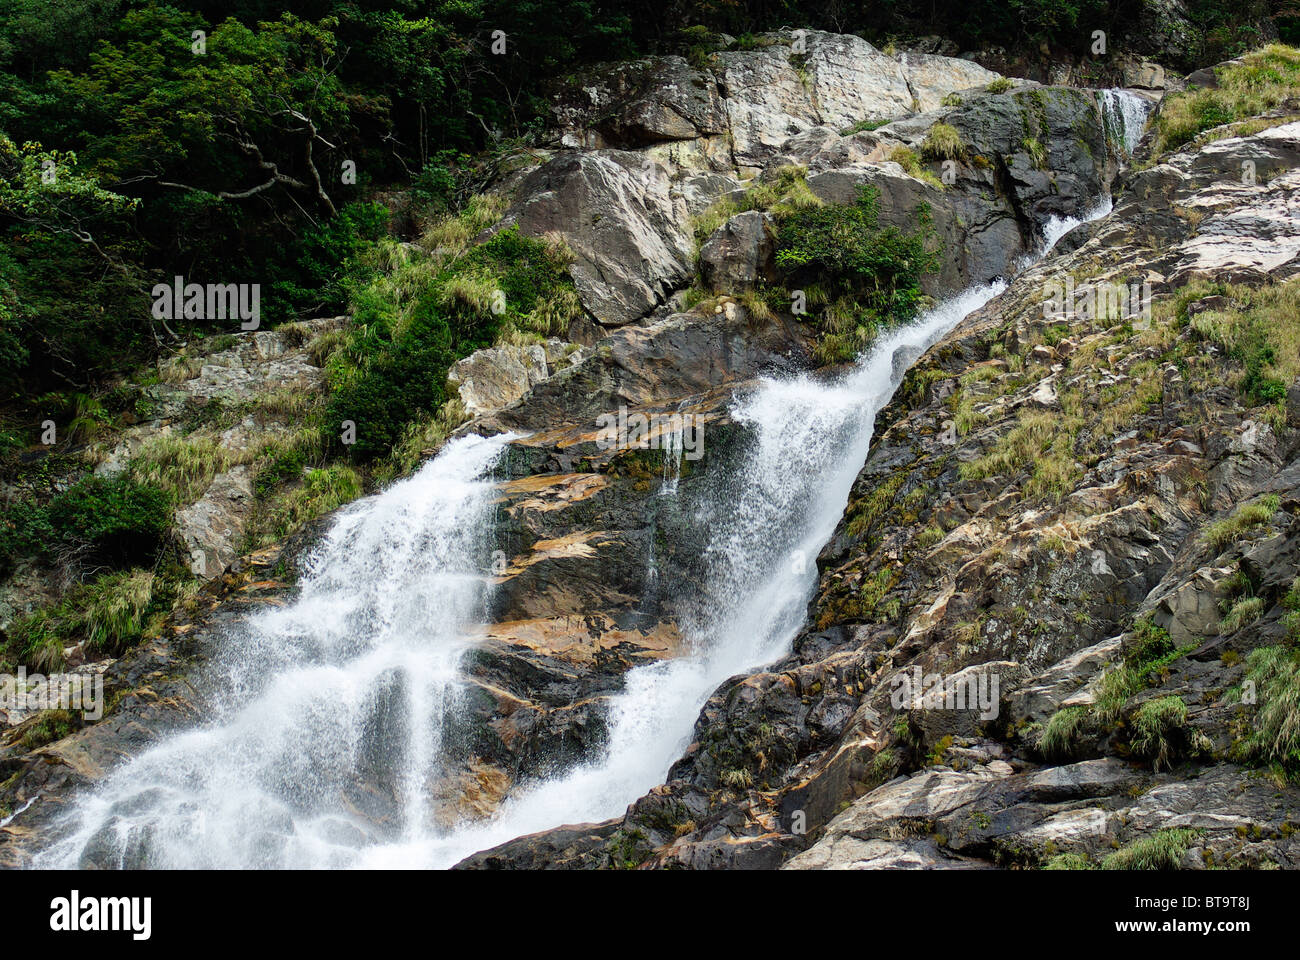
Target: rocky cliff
[{"x": 1086, "y": 514}]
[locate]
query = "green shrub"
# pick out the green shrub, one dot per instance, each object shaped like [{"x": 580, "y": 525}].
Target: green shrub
[
  {"x": 872, "y": 273},
  {"x": 412, "y": 323},
  {"x": 118, "y": 520},
  {"x": 1274, "y": 674}
]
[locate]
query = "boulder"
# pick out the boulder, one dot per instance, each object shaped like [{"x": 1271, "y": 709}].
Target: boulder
[
  {"x": 211, "y": 529},
  {"x": 933, "y": 78},
  {"x": 739, "y": 253},
  {"x": 489, "y": 380},
  {"x": 627, "y": 229}
]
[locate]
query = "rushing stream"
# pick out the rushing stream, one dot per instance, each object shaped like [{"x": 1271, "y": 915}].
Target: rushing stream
[{"x": 347, "y": 686}]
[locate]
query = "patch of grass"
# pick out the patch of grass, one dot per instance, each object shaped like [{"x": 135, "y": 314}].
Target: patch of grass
[
  {"x": 929, "y": 536},
  {"x": 1243, "y": 613},
  {"x": 1262, "y": 81},
  {"x": 910, "y": 161},
  {"x": 1148, "y": 650},
  {"x": 1000, "y": 85},
  {"x": 1060, "y": 740},
  {"x": 410, "y": 325},
  {"x": 783, "y": 193},
  {"x": 1273, "y": 674},
  {"x": 1036, "y": 151},
  {"x": 1162, "y": 850},
  {"x": 419, "y": 439},
  {"x": 50, "y": 726},
  {"x": 1041, "y": 443},
  {"x": 862, "y": 126},
  {"x": 109, "y": 614},
  {"x": 943, "y": 142},
  {"x": 1255, "y": 332},
  {"x": 321, "y": 491},
  {"x": 1159, "y": 730},
  {"x": 182, "y": 466},
  {"x": 1243, "y": 522},
  {"x": 1069, "y": 861},
  {"x": 874, "y": 601}
]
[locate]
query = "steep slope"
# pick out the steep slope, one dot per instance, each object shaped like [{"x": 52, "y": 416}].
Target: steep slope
[
  {"x": 1092, "y": 511},
  {"x": 1030, "y": 510}
]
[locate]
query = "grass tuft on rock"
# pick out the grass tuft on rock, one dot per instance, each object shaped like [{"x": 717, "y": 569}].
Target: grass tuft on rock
[{"x": 1162, "y": 850}]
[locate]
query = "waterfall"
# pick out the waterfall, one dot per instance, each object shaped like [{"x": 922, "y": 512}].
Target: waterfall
[
  {"x": 1124, "y": 115},
  {"x": 335, "y": 703},
  {"x": 332, "y": 702},
  {"x": 810, "y": 438}
]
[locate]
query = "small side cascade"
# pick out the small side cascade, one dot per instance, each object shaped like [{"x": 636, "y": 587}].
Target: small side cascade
[{"x": 1124, "y": 115}]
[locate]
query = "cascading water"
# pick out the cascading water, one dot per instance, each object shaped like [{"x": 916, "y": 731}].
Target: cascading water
[
  {"x": 335, "y": 703},
  {"x": 810, "y": 438},
  {"x": 1125, "y": 116}
]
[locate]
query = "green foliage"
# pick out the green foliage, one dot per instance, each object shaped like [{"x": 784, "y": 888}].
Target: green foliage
[
  {"x": 910, "y": 161},
  {"x": 1162, "y": 850},
  {"x": 1069, "y": 861},
  {"x": 874, "y": 272},
  {"x": 110, "y": 520},
  {"x": 121, "y": 520},
  {"x": 321, "y": 491},
  {"x": 50, "y": 726},
  {"x": 1254, "y": 331},
  {"x": 109, "y": 614},
  {"x": 1243, "y": 522},
  {"x": 1260, "y": 82},
  {"x": 943, "y": 142},
  {"x": 1060, "y": 739},
  {"x": 1274, "y": 738},
  {"x": 411, "y": 325},
  {"x": 1159, "y": 729},
  {"x": 66, "y": 280},
  {"x": 862, "y": 126},
  {"x": 325, "y": 258}
]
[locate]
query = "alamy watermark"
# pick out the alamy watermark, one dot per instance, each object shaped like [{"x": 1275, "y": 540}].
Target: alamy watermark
[
  {"x": 672, "y": 432},
  {"x": 213, "y": 301},
  {"x": 1098, "y": 301},
  {"x": 935, "y": 691},
  {"x": 58, "y": 691}
]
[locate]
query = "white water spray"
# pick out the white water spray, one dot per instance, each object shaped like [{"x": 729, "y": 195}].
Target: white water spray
[
  {"x": 811, "y": 437},
  {"x": 329, "y": 708},
  {"x": 1125, "y": 117}
]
